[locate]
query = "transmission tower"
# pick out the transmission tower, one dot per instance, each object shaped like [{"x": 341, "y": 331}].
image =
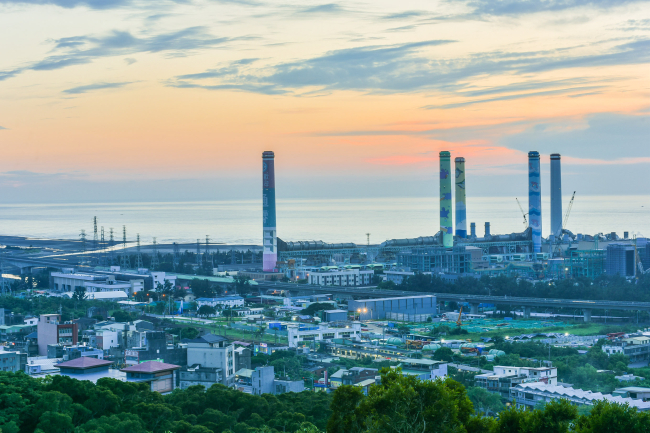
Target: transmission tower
[
  {"x": 5, "y": 287},
  {"x": 177, "y": 256},
  {"x": 198, "y": 252},
  {"x": 82, "y": 235},
  {"x": 154, "y": 257},
  {"x": 102, "y": 248},
  {"x": 138, "y": 255},
  {"x": 95, "y": 239},
  {"x": 208, "y": 254},
  {"x": 125, "y": 263},
  {"x": 111, "y": 244}
]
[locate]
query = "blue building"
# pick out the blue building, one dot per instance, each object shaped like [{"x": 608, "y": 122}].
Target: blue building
[
  {"x": 620, "y": 260},
  {"x": 410, "y": 307}
]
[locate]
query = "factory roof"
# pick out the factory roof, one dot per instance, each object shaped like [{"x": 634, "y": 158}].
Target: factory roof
[
  {"x": 84, "y": 363},
  {"x": 150, "y": 367},
  {"x": 395, "y": 299},
  {"x": 211, "y": 279},
  {"x": 222, "y": 298},
  {"x": 585, "y": 396}
]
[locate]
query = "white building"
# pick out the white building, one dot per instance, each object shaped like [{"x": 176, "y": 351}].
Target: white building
[
  {"x": 298, "y": 334},
  {"x": 504, "y": 378},
  {"x": 161, "y": 277},
  {"x": 333, "y": 276},
  {"x": 92, "y": 283},
  {"x": 224, "y": 302},
  {"x": 529, "y": 395},
  {"x": 213, "y": 351}
]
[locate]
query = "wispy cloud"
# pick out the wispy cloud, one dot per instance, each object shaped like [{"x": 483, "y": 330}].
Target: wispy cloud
[
  {"x": 78, "y": 50},
  {"x": 96, "y": 86},
  {"x": 2, "y": 127},
  {"x": 329, "y": 8},
  {"x": 108, "y": 4},
  {"x": 414, "y": 67},
  {"x": 520, "y": 7}
]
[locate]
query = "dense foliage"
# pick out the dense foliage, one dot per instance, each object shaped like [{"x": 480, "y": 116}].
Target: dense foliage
[
  {"x": 60, "y": 404},
  {"x": 604, "y": 287}
]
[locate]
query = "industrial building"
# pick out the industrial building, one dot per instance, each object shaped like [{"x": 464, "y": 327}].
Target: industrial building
[
  {"x": 621, "y": 260},
  {"x": 457, "y": 260},
  {"x": 335, "y": 276},
  {"x": 378, "y": 308},
  {"x": 297, "y": 335}
]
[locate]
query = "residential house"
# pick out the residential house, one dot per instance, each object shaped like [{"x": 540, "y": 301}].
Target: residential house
[
  {"x": 52, "y": 331},
  {"x": 213, "y": 351},
  {"x": 160, "y": 376},
  {"x": 504, "y": 378}
]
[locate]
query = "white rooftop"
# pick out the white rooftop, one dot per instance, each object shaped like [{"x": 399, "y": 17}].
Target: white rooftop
[{"x": 586, "y": 396}]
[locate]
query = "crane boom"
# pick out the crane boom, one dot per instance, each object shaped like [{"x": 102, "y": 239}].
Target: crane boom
[
  {"x": 522, "y": 212},
  {"x": 459, "y": 321},
  {"x": 568, "y": 211}
]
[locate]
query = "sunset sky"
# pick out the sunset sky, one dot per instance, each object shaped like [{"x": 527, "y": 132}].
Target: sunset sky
[{"x": 165, "y": 100}]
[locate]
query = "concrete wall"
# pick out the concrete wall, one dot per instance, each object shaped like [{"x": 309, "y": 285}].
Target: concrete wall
[{"x": 262, "y": 380}]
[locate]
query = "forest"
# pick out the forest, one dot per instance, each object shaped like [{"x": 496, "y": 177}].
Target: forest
[{"x": 399, "y": 403}]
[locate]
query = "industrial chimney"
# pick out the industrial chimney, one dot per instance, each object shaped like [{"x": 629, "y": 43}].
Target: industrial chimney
[
  {"x": 535, "y": 200},
  {"x": 269, "y": 238},
  {"x": 446, "y": 224},
  {"x": 487, "y": 229},
  {"x": 556, "y": 196},
  {"x": 472, "y": 228},
  {"x": 461, "y": 213}
]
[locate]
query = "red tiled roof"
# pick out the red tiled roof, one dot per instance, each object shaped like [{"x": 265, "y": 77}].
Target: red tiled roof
[
  {"x": 83, "y": 363},
  {"x": 150, "y": 367}
]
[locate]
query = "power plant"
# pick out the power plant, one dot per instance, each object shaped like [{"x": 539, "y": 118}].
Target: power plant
[{"x": 449, "y": 250}]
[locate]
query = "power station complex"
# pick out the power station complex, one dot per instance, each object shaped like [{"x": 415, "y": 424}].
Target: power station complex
[{"x": 453, "y": 251}]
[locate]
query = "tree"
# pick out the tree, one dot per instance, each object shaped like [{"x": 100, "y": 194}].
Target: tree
[
  {"x": 206, "y": 311},
  {"x": 201, "y": 288},
  {"x": 402, "y": 404},
  {"x": 79, "y": 293},
  {"x": 443, "y": 354},
  {"x": 484, "y": 401},
  {"x": 241, "y": 285},
  {"x": 606, "y": 417}
]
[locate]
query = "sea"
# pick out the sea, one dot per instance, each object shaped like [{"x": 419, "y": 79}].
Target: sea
[{"x": 239, "y": 222}]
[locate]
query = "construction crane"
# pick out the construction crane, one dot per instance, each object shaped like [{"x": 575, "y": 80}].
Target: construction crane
[
  {"x": 523, "y": 213},
  {"x": 459, "y": 321},
  {"x": 558, "y": 236},
  {"x": 639, "y": 264}
]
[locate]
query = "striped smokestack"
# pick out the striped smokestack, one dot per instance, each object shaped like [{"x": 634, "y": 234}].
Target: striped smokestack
[
  {"x": 556, "y": 195},
  {"x": 461, "y": 206},
  {"x": 446, "y": 224},
  {"x": 269, "y": 237},
  {"x": 535, "y": 200}
]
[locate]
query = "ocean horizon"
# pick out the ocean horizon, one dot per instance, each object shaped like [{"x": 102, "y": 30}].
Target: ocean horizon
[{"x": 329, "y": 220}]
